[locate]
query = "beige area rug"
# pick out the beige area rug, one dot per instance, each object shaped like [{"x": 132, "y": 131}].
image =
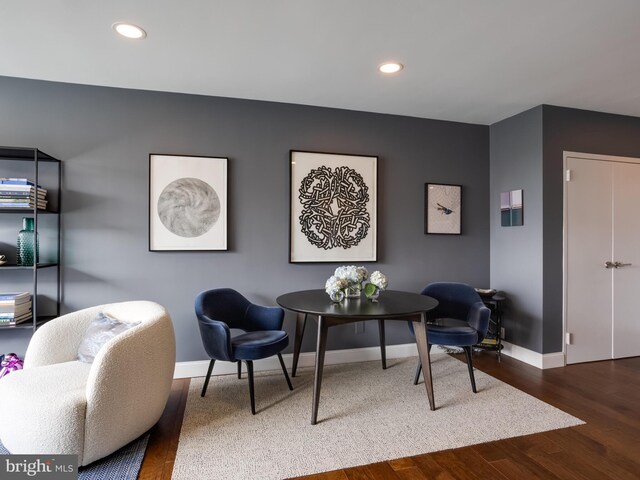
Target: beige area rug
[{"x": 366, "y": 415}]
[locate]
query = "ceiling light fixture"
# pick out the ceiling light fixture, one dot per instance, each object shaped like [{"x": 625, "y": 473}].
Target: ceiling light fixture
[
  {"x": 129, "y": 30},
  {"x": 390, "y": 67}
]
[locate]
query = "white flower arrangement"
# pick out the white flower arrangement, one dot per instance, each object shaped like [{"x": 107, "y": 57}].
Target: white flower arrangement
[
  {"x": 352, "y": 274},
  {"x": 379, "y": 279},
  {"x": 335, "y": 284}
]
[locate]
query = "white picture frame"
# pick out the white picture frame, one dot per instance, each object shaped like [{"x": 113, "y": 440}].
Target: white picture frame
[{"x": 187, "y": 203}]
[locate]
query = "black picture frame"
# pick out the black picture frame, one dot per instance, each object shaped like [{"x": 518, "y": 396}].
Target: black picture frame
[
  {"x": 364, "y": 166},
  {"x": 209, "y": 172},
  {"x": 442, "y": 209}
]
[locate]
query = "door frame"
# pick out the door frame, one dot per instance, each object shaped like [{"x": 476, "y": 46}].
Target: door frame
[{"x": 565, "y": 224}]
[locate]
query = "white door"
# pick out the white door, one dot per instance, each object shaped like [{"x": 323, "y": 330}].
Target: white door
[
  {"x": 603, "y": 225},
  {"x": 626, "y": 251}
]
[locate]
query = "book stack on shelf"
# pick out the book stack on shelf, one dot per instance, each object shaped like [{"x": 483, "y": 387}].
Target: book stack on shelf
[
  {"x": 21, "y": 193},
  {"x": 15, "y": 308}
]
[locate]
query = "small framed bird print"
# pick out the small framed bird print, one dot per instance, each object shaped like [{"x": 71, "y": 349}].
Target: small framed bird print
[{"x": 442, "y": 208}]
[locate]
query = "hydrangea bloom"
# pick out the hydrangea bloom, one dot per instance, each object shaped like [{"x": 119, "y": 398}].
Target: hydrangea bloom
[
  {"x": 335, "y": 284},
  {"x": 379, "y": 280},
  {"x": 352, "y": 274}
]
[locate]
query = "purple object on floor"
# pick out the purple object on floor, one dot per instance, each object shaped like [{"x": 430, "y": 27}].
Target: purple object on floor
[{"x": 10, "y": 363}]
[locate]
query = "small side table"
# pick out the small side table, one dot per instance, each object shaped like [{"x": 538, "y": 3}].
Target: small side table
[{"x": 493, "y": 340}]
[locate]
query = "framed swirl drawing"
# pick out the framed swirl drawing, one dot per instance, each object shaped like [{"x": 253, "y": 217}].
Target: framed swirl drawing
[
  {"x": 333, "y": 209},
  {"x": 187, "y": 203}
]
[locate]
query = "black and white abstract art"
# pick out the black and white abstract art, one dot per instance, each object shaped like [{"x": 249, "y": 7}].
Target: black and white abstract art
[
  {"x": 187, "y": 203},
  {"x": 333, "y": 208}
]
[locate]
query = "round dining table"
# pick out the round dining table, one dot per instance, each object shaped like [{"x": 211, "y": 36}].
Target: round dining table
[{"x": 390, "y": 305}]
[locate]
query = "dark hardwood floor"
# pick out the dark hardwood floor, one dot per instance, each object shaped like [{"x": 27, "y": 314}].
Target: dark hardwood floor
[{"x": 606, "y": 395}]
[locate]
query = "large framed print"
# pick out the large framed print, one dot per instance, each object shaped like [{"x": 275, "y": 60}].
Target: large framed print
[
  {"x": 442, "y": 208},
  {"x": 333, "y": 207},
  {"x": 187, "y": 203}
]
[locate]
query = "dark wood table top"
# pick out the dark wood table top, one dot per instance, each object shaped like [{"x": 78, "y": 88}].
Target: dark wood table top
[{"x": 390, "y": 303}]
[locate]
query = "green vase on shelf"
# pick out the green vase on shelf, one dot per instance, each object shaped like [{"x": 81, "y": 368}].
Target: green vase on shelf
[{"x": 28, "y": 244}]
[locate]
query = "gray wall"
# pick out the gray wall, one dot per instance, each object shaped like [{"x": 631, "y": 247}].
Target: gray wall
[
  {"x": 516, "y": 252},
  {"x": 567, "y": 129},
  {"x": 104, "y": 136}
]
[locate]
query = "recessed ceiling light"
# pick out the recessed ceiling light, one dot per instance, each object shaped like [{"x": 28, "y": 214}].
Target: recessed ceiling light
[
  {"x": 129, "y": 30},
  {"x": 390, "y": 67}
]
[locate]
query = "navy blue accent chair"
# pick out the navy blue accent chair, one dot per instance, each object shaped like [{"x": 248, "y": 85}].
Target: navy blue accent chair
[
  {"x": 459, "y": 320},
  {"x": 222, "y": 309}
]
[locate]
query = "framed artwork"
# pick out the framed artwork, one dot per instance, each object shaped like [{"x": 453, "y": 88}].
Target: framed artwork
[
  {"x": 442, "y": 208},
  {"x": 511, "y": 209},
  {"x": 333, "y": 207},
  {"x": 187, "y": 203}
]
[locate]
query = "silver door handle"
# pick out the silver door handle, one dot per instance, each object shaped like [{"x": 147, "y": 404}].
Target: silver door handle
[
  {"x": 620, "y": 264},
  {"x": 609, "y": 265}
]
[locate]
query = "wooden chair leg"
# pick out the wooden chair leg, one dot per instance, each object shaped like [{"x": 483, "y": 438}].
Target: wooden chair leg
[
  {"x": 239, "y": 370},
  {"x": 251, "y": 392},
  {"x": 468, "y": 352},
  {"x": 284, "y": 370},
  {"x": 206, "y": 380},
  {"x": 419, "y": 368}
]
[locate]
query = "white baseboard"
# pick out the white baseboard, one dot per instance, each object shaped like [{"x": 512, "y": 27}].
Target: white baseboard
[
  {"x": 538, "y": 360},
  {"x": 198, "y": 368},
  {"x": 307, "y": 359}
]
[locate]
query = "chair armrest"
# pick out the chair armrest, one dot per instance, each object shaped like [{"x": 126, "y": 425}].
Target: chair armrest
[
  {"x": 216, "y": 338},
  {"x": 128, "y": 385},
  {"x": 258, "y": 317},
  {"x": 478, "y": 318},
  {"x": 57, "y": 341}
]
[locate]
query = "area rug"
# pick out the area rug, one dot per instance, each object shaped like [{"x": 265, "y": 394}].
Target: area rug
[
  {"x": 124, "y": 464},
  {"x": 366, "y": 415}
]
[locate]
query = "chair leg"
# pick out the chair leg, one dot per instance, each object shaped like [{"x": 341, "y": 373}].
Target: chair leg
[
  {"x": 239, "y": 370},
  {"x": 251, "y": 392},
  {"x": 419, "y": 368},
  {"x": 206, "y": 380},
  {"x": 468, "y": 353},
  {"x": 284, "y": 370}
]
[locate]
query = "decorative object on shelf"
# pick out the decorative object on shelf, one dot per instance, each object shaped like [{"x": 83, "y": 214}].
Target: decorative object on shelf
[
  {"x": 442, "y": 208},
  {"x": 486, "y": 292},
  {"x": 335, "y": 288},
  {"x": 353, "y": 276},
  {"x": 333, "y": 203},
  {"x": 21, "y": 193},
  {"x": 15, "y": 308},
  {"x": 28, "y": 244},
  {"x": 511, "y": 209},
  {"x": 377, "y": 283},
  {"x": 187, "y": 203}
]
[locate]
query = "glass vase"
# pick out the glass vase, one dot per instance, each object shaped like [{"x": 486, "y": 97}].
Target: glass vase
[
  {"x": 28, "y": 245},
  {"x": 337, "y": 296},
  {"x": 373, "y": 296},
  {"x": 353, "y": 291}
]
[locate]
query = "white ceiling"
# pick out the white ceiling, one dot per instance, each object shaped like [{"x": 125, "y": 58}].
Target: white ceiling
[{"x": 474, "y": 61}]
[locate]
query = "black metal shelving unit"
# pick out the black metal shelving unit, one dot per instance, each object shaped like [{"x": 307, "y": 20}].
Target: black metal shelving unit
[{"x": 21, "y": 154}]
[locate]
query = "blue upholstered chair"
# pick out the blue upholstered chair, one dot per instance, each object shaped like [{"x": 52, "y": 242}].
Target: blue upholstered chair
[
  {"x": 222, "y": 309},
  {"x": 459, "y": 320}
]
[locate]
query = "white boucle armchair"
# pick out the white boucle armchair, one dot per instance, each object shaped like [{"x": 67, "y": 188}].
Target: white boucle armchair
[{"x": 58, "y": 404}]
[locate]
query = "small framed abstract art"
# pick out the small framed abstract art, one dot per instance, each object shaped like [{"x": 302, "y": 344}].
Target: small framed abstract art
[
  {"x": 333, "y": 207},
  {"x": 511, "y": 209},
  {"x": 442, "y": 208},
  {"x": 187, "y": 203}
]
